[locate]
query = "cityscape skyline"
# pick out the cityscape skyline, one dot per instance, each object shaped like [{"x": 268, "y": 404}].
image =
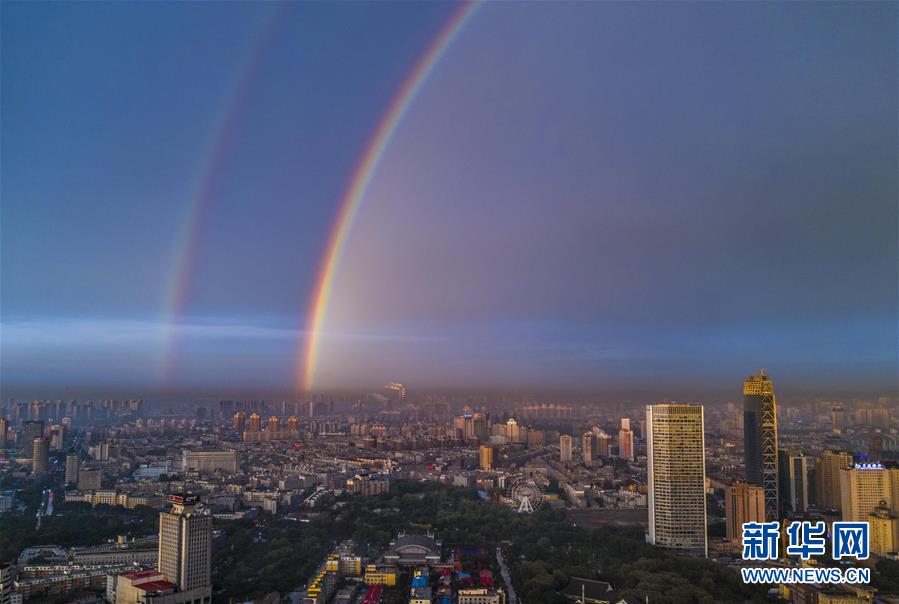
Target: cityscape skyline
[
  {"x": 526, "y": 220},
  {"x": 682, "y": 478}
]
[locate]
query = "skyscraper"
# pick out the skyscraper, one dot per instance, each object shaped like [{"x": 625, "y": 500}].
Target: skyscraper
[
  {"x": 760, "y": 438},
  {"x": 40, "y": 455},
  {"x": 675, "y": 453},
  {"x": 565, "y": 447},
  {"x": 4, "y": 427},
  {"x": 743, "y": 503},
  {"x": 185, "y": 546}
]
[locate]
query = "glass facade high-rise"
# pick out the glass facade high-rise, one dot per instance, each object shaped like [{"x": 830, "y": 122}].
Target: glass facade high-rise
[
  {"x": 675, "y": 455},
  {"x": 760, "y": 438}
]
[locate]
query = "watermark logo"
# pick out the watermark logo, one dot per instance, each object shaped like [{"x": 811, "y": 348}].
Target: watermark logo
[
  {"x": 760, "y": 540},
  {"x": 806, "y": 540},
  {"x": 851, "y": 540}
]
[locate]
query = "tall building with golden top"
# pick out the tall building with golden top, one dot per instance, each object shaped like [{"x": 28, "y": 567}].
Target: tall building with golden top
[{"x": 760, "y": 438}]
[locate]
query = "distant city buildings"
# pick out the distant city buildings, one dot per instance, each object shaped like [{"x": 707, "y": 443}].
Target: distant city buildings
[
  {"x": 398, "y": 391},
  {"x": 603, "y": 441},
  {"x": 207, "y": 462},
  {"x": 565, "y": 448},
  {"x": 588, "y": 446},
  {"x": 40, "y": 455},
  {"x": 243, "y": 474},
  {"x": 485, "y": 454},
  {"x": 760, "y": 438},
  {"x": 368, "y": 484},
  {"x": 31, "y": 430},
  {"x": 90, "y": 478},
  {"x": 676, "y": 471},
  {"x": 626, "y": 440},
  {"x": 73, "y": 463}
]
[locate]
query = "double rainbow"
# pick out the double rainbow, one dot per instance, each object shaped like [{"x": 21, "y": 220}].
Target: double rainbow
[{"x": 204, "y": 187}]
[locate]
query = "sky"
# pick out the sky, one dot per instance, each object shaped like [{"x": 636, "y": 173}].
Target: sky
[{"x": 585, "y": 195}]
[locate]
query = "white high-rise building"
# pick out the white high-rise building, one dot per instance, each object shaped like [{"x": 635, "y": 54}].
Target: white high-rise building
[{"x": 675, "y": 444}]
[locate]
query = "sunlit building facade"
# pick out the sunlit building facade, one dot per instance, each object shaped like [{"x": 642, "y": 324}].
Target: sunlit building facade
[
  {"x": 742, "y": 503},
  {"x": 676, "y": 469},
  {"x": 827, "y": 478}
]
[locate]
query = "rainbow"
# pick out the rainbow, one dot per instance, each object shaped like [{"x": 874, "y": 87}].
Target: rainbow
[
  {"x": 203, "y": 189},
  {"x": 361, "y": 178}
]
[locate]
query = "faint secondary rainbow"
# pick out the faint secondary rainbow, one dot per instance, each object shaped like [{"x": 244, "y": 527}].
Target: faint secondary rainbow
[
  {"x": 361, "y": 178},
  {"x": 205, "y": 181}
]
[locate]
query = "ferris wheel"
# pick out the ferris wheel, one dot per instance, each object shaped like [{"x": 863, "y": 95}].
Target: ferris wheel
[{"x": 525, "y": 494}]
